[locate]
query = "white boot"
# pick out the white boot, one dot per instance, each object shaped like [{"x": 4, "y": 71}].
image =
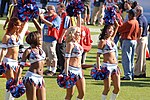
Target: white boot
[
  {"x": 49, "y": 68},
  {"x": 53, "y": 69},
  {"x": 8, "y": 96},
  {"x": 113, "y": 96},
  {"x": 104, "y": 97}
]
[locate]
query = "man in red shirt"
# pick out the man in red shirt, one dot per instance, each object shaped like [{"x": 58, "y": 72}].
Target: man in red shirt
[
  {"x": 85, "y": 42},
  {"x": 129, "y": 31}
]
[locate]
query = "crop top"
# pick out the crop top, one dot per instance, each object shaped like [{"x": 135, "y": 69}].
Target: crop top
[
  {"x": 34, "y": 56},
  {"x": 108, "y": 48},
  {"x": 76, "y": 51},
  {"x": 12, "y": 43}
]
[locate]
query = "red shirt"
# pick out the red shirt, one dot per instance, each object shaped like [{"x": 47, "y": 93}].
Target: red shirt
[
  {"x": 85, "y": 41},
  {"x": 129, "y": 30},
  {"x": 63, "y": 15},
  {"x": 52, "y": 31}
]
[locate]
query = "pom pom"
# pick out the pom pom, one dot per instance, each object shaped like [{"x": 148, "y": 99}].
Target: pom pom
[
  {"x": 75, "y": 7},
  {"x": 2, "y": 70},
  {"x": 110, "y": 15},
  {"x": 65, "y": 81},
  {"x": 27, "y": 10},
  {"x": 9, "y": 83},
  {"x": 100, "y": 74},
  {"x": 17, "y": 90}
]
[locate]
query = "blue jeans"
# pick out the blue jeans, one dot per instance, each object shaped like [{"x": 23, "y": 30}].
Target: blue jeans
[{"x": 128, "y": 49}]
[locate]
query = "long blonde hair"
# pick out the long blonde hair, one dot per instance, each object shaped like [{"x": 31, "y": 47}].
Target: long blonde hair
[{"x": 71, "y": 33}]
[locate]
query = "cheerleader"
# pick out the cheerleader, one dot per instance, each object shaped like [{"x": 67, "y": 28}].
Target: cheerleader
[
  {"x": 33, "y": 79},
  {"x": 9, "y": 52},
  {"x": 73, "y": 62},
  {"x": 108, "y": 48}
]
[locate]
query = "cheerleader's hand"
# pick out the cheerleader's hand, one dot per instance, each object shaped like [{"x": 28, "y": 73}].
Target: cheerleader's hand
[
  {"x": 41, "y": 11},
  {"x": 97, "y": 67},
  {"x": 42, "y": 16},
  {"x": 17, "y": 80}
]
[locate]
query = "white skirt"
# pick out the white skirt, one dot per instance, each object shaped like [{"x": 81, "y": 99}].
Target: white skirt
[
  {"x": 33, "y": 78},
  {"x": 10, "y": 63}
]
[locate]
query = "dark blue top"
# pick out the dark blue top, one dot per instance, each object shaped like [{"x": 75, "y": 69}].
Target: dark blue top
[{"x": 143, "y": 23}]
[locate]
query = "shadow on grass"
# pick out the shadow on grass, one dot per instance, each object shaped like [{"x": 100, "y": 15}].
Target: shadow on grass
[
  {"x": 96, "y": 82},
  {"x": 92, "y": 53},
  {"x": 91, "y": 57},
  {"x": 94, "y": 46},
  {"x": 91, "y": 61},
  {"x": 88, "y": 77},
  {"x": 136, "y": 83}
]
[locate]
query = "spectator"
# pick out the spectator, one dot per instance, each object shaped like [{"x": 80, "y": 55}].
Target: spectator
[
  {"x": 127, "y": 7},
  {"x": 61, "y": 44},
  {"x": 98, "y": 12},
  {"x": 140, "y": 64},
  {"x": 65, "y": 2},
  {"x": 129, "y": 31},
  {"x": 87, "y": 10},
  {"x": 3, "y": 4},
  {"x": 10, "y": 13},
  {"x": 85, "y": 42},
  {"x": 44, "y": 3},
  {"x": 120, "y": 22},
  {"x": 52, "y": 21},
  {"x": 134, "y": 4},
  {"x": 110, "y": 2}
]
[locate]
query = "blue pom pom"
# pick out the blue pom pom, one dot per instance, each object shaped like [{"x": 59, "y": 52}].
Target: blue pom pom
[
  {"x": 27, "y": 10},
  {"x": 75, "y": 7},
  {"x": 9, "y": 83},
  {"x": 100, "y": 74},
  {"x": 2, "y": 70},
  {"x": 17, "y": 90},
  {"x": 65, "y": 81},
  {"x": 110, "y": 15}
]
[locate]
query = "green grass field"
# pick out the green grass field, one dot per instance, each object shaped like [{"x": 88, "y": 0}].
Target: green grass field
[{"x": 139, "y": 89}]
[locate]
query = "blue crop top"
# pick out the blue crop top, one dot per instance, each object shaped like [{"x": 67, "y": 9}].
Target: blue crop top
[
  {"x": 34, "y": 56},
  {"x": 12, "y": 43},
  {"x": 76, "y": 51},
  {"x": 108, "y": 48}
]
